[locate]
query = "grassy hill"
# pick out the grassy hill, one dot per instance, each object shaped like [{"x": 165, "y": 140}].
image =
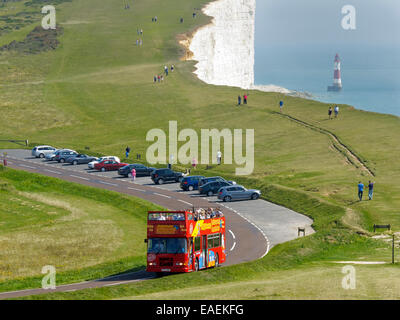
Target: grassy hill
[
  {"x": 96, "y": 90},
  {"x": 84, "y": 232}
]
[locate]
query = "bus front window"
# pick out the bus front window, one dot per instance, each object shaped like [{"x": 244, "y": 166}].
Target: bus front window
[
  {"x": 167, "y": 245},
  {"x": 176, "y": 245},
  {"x": 157, "y": 245}
]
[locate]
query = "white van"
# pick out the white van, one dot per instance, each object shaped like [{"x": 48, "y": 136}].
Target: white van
[{"x": 41, "y": 151}]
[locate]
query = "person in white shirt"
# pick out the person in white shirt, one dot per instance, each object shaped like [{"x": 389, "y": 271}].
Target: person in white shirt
[
  {"x": 219, "y": 156},
  {"x": 336, "y": 111}
]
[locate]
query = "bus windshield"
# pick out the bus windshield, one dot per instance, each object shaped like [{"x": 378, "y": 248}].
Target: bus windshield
[{"x": 167, "y": 245}]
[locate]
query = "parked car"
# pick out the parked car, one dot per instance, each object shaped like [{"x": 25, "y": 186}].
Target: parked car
[
  {"x": 80, "y": 159},
  {"x": 41, "y": 151},
  {"x": 92, "y": 163},
  {"x": 238, "y": 192},
  {"x": 209, "y": 179},
  {"x": 190, "y": 183},
  {"x": 109, "y": 165},
  {"x": 141, "y": 170},
  {"x": 212, "y": 187},
  {"x": 50, "y": 156},
  {"x": 64, "y": 154},
  {"x": 159, "y": 176}
]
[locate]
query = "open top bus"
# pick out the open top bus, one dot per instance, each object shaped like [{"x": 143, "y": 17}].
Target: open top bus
[{"x": 185, "y": 241}]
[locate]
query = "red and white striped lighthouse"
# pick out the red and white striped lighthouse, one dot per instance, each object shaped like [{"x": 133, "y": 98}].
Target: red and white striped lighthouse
[{"x": 337, "y": 80}]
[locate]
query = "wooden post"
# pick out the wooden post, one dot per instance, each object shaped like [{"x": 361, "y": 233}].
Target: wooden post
[{"x": 393, "y": 249}]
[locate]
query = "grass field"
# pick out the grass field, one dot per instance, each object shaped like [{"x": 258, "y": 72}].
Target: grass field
[
  {"x": 83, "y": 232},
  {"x": 95, "y": 90}
]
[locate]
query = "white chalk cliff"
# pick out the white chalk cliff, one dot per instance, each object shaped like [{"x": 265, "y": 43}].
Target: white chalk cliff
[{"x": 224, "y": 48}]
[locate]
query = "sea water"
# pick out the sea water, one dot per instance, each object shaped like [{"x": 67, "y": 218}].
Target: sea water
[{"x": 293, "y": 53}]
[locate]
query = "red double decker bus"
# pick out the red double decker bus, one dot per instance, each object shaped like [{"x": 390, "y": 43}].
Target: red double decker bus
[{"x": 180, "y": 241}]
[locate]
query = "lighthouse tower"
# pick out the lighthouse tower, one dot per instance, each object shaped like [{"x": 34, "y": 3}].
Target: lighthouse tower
[{"x": 337, "y": 80}]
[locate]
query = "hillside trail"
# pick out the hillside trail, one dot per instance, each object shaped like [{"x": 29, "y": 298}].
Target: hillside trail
[{"x": 351, "y": 157}]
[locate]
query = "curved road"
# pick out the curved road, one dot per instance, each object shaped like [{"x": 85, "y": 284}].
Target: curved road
[{"x": 253, "y": 227}]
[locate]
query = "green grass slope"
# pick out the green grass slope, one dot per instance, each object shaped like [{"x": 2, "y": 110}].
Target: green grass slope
[
  {"x": 85, "y": 233},
  {"x": 96, "y": 90}
]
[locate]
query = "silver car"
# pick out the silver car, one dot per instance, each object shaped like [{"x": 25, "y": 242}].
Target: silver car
[
  {"x": 42, "y": 151},
  {"x": 237, "y": 192},
  {"x": 51, "y": 156}
]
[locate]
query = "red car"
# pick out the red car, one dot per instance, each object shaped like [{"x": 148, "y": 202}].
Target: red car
[{"x": 109, "y": 165}]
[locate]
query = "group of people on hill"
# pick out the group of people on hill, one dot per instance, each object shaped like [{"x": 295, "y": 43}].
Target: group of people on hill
[
  {"x": 336, "y": 110},
  {"x": 245, "y": 96},
  {"x": 202, "y": 214},
  {"x": 160, "y": 77},
  {"x": 154, "y": 19},
  {"x": 139, "y": 41},
  {"x": 361, "y": 190}
]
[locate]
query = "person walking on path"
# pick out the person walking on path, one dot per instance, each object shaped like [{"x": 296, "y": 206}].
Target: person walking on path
[
  {"x": 166, "y": 70},
  {"x": 158, "y": 78},
  {"x": 133, "y": 173},
  {"x": 239, "y": 100},
  {"x": 281, "y": 105},
  {"x": 336, "y": 111},
  {"x": 370, "y": 189},
  {"x": 172, "y": 68},
  {"x": 155, "y": 79},
  {"x": 194, "y": 163},
  {"x": 219, "y": 157},
  {"x": 245, "y": 99},
  {"x": 127, "y": 150},
  {"x": 360, "y": 190},
  {"x": 330, "y": 113}
]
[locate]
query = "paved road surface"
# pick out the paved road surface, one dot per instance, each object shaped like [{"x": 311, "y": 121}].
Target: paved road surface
[{"x": 253, "y": 226}]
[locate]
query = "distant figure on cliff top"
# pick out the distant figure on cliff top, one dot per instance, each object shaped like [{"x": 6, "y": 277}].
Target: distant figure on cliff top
[
  {"x": 371, "y": 189},
  {"x": 166, "y": 70},
  {"x": 360, "y": 190},
  {"x": 330, "y": 113},
  {"x": 239, "y": 100},
  {"x": 194, "y": 14},
  {"x": 281, "y": 105},
  {"x": 336, "y": 111},
  {"x": 181, "y": 20},
  {"x": 155, "y": 79},
  {"x": 172, "y": 68},
  {"x": 245, "y": 99}
]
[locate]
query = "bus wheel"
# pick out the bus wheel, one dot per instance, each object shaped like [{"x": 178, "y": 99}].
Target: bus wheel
[
  {"x": 216, "y": 261},
  {"x": 196, "y": 265}
]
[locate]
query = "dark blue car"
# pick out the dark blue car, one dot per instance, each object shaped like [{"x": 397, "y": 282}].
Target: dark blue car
[{"x": 190, "y": 183}]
